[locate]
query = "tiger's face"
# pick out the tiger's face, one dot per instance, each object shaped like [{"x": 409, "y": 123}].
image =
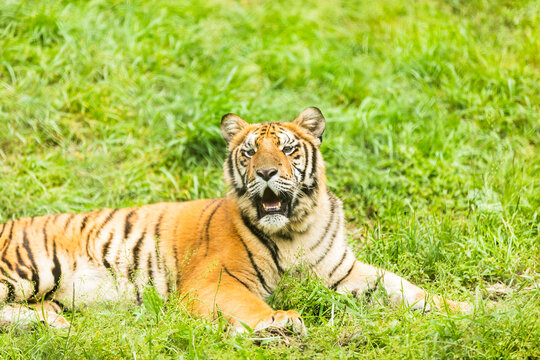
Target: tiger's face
[{"x": 275, "y": 169}]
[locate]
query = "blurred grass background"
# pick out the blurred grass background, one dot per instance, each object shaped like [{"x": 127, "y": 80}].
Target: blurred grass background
[{"x": 432, "y": 143}]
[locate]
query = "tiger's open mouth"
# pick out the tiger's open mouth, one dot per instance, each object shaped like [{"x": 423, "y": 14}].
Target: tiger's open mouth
[{"x": 272, "y": 204}]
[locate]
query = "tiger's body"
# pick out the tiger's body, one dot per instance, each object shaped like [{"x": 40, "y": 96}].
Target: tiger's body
[{"x": 228, "y": 254}]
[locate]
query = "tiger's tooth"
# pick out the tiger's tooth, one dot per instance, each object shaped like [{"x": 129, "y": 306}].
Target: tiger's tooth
[{"x": 272, "y": 208}]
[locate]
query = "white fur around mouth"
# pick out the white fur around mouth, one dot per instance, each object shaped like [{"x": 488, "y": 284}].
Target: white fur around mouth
[{"x": 272, "y": 206}]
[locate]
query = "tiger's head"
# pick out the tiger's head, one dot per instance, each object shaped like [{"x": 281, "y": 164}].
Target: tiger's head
[{"x": 275, "y": 170}]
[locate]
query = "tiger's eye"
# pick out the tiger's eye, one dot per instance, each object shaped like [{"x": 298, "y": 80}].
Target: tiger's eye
[
  {"x": 287, "y": 150},
  {"x": 249, "y": 153}
]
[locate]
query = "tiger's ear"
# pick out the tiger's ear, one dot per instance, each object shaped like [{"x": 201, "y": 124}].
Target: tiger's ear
[
  {"x": 312, "y": 120},
  {"x": 231, "y": 125}
]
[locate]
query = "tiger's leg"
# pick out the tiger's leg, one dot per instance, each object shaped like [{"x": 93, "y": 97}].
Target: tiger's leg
[
  {"x": 50, "y": 311},
  {"x": 239, "y": 305},
  {"x": 45, "y": 312},
  {"x": 364, "y": 277},
  {"x": 14, "y": 294}
]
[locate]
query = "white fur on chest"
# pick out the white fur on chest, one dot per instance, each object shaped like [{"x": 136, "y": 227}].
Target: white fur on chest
[{"x": 302, "y": 250}]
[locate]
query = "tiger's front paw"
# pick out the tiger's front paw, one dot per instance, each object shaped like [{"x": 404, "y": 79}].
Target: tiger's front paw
[
  {"x": 281, "y": 319},
  {"x": 419, "y": 305},
  {"x": 454, "y": 306},
  {"x": 358, "y": 289},
  {"x": 427, "y": 303}
]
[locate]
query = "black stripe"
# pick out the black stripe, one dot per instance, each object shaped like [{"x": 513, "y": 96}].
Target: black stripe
[
  {"x": 157, "y": 239},
  {"x": 7, "y": 241},
  {"x": 3, "y": 271},
  {"x": 327, "y": 228},
  {"x": 257, "y": 270},
  {"x": 230, "y": 165},
  {"x": 71, "y": 216},
  {"x": 20, "y": 260},
  {"x": 150, "y": 270},
  {"x": 336, "y": 284},
  {"x": 60, "y": 305},
  {"x": 161, "y": 266},
  {"x": 56, "y": 272},
  {"x": 201, "y": 237},
  {"x": 295, "y": 149},
  {"x": 303, "y": 171},
  {"x": 286, "y": 235},
  {"x": 98, "y": 232},
  {"x": 157, "y": 251},
  {"x": 240, "y": 189},
  {"x": 210, "y": 203},
  {"x": 3, "y": 228},
  {"x": 7, "y": 262},
  {"x": 175, "y": 247},
  {"x": 22, "y": 274},
  {"x": 301, "y": 137},
  {"x": 157, "y": 230},
  {"x": 35, "y": 272},
  {"x": 309, "y": 190},
  {"x": 329, "y": 247},
  {"x": 313, "y": 159},
  {"x": 105, "y": 250},
  {"x": 138, "y": 295},
  {"x": 266, "y": 241},
  {"x": 207, "y": 227},
  {"x": 11, "y": 230},
  {"x": 6, "y": 246},
  {"x": 83, "y": 223},
  {"x": 296, "y": 167},
  {"x": 128, "y": 225},
  {"x": 45, "y": 237},
  {"x": 231, "y": 172},
  {"x": 339, "y": 264},
  {"x": 267, "y": 128},
  {"x": 136, "y": 251},
  {"x": 175, "y": 252},
  {"x": 234, "y": 277},
  {"x": 105, "y": 222},
  {"x": 294, "y": 204},
  {"x": 158, "y": 256},
  {"x": 238, "y": 160},
  {"x": 11, "y": 291},
  {"x": 171, "y": 279},
  {"x": 132, "y": 272}
]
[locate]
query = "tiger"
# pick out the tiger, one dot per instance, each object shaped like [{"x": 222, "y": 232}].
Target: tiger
[{"x": 227, "y": 255}]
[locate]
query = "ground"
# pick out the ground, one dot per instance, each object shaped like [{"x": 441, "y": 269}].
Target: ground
[{"x": 432, "y": 143}]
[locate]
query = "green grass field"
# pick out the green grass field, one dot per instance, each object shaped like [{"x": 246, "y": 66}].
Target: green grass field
[{"x": 432, "y": 143}]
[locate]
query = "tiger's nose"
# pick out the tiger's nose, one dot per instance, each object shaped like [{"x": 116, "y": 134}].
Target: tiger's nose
[{"x": 267, "y": 174}]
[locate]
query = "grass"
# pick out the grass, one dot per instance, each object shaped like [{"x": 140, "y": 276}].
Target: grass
[{"x": 432, "y": 143}]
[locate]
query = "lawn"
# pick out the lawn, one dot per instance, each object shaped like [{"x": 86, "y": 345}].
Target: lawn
[{"x": 432, "y": 143}]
